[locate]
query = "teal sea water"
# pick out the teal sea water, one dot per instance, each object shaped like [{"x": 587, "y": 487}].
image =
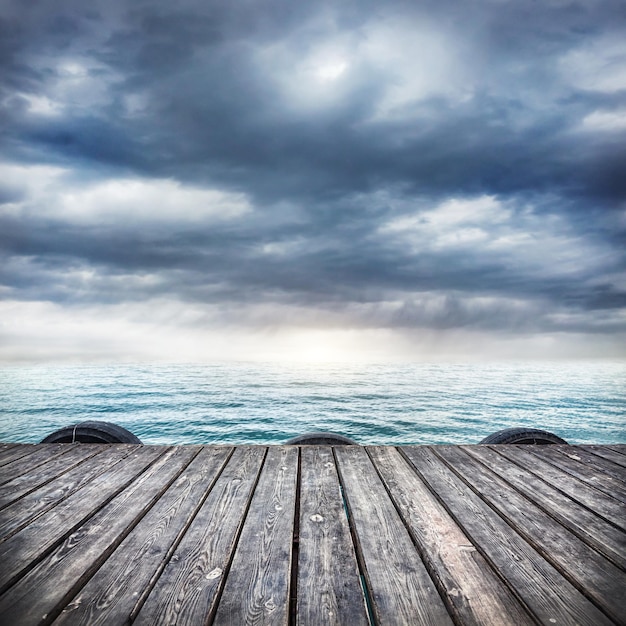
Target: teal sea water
[{"x": 268, "y": 404}]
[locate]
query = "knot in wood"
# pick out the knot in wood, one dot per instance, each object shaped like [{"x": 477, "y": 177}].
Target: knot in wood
[{"x": 214, "y": 573}]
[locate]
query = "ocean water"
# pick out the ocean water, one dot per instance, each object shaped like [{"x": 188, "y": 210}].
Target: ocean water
[{"x": 268, "y": 404}]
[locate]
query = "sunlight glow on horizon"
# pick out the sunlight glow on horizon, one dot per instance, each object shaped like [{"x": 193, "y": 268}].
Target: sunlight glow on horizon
[{"x": 167, "y": 332}]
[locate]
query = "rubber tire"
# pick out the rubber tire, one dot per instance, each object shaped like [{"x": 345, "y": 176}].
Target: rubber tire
[
  {"x": 321, "y": 439},
  {"x": 523, "y": 436},
  {"x": 92, "y": 432}
]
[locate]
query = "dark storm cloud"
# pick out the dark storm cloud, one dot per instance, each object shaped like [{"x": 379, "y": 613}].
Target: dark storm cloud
[
  {"x": 213, "y": 112},
  {"x": 349, "y": 128}
]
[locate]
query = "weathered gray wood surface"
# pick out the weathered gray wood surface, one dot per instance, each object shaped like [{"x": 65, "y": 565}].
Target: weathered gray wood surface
[
  {"x": 470, "y": 535},
  {"x": 189, "y": 587},
  {"x": 570, "y": 463},
  {"x": 328, "y": 588},
  {"x": 542, "y": 587},
  {"x": 29, "y": 473},
  {"x": 257, "y": 587},
  {"x": 119, "y": 586},
  {"x": 46, "y": 588},
  {"x": 402, "y": 590},
  {"x": 470, "y": 587},
  {"x": 590, "y": 527},
  {"x": 37, "y": 456},
  {"x": 600, "y": 579},
  {"x": 598, "y": 501},
  {"x": 13, "y": 452},
  {"x": 607, "y": 452}
]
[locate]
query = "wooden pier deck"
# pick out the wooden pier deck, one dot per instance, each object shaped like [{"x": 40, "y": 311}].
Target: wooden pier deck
[{"x": 118, "y": 534}]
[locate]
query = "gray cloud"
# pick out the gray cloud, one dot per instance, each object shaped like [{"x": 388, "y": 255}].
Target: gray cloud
[{"x": 428, "y": 165}]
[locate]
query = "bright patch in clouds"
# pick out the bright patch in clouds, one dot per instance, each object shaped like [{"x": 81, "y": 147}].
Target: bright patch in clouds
[
  {"x": 159, "y": 200},
  {"x": 605, "y": 121},
  {"x": 409, "y": 61},
  {"x": 42, "y": 105},
  {"x": 452, "y": 222},
  {"x": 416, "y": 61},
  {"x": 72, "y": 84},
  {"x": 599, "y": 65},
  {"x": 331, "y": 70},
  {"x": 520, "y": 240},
  {"x": 128, "y": 200},
  {"x": 311, "y": 78}
]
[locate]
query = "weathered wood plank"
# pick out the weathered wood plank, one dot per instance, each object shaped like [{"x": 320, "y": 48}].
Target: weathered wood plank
[
  {"x": 592, "y": 573},
  {"x": 19, "y": 514},
  {"x": 328, "y": 583},
  {"x": 550, "y": 597},
  {"x": 45, "y": 590},
  {"x": 610, "y": 509},
  {"x": 598, "y": 463},
  {"x": 400, "y": 587},
  {"x": 125, "y": 579},
  {"x": 570, "y": 462},
  {"x": 39, "y": 537},
  {"x": 15, "y": 452},
  {"x": 474, "y": 593},
  {"x": 257, "y": 588},
  {"x": 42, "y": 454},
  {"x": 189, "y": 586},
  {"x": 28, "y": 479},
  {"x": 618, "y": 447},
  {"x": 591, "y": 528},
  {"x": 135, "y": 540},
  {"x": 606, "y": 453}
]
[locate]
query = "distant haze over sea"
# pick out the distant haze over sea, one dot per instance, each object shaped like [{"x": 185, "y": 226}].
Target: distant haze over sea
[{"x": 250, "y": 403}]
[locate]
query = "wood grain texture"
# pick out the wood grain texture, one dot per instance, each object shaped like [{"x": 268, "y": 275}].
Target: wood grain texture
[
  {"x": 188, "y": 589},
  {"x": 33, "y": 477},
  {"x": 590, "y": 527},
  {"x": 123, "y": 581},
  {"x": 257, "y": 588},
  {"x": 592, "y": 573},
  {"x": 12, "y": 453},
  {"x": 328, "y": 583},
  {"x": 45, "y": 590},
  {"x": 598, "y": 464},
  {"x": 197, "y": 534},
  {"x": 474, "y": 592},
  {"x": 25, "y": 464},
  {"x": 5, "y": 446},
  {"x": 606, "y": 453},
  {"x": 18, "y": 515},
  {"x": 569, "y": 461},
  {"x": 35, "y": 541},
  {"x": 541, "y": 587},
  {"x": 618, "y": 447},
  {"x": 400, "y": 588},
  {"x": 610, "y": 509}
]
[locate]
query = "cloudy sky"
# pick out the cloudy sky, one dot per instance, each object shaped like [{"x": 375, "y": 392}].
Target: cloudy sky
[{"x": 269, "y": 179}]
